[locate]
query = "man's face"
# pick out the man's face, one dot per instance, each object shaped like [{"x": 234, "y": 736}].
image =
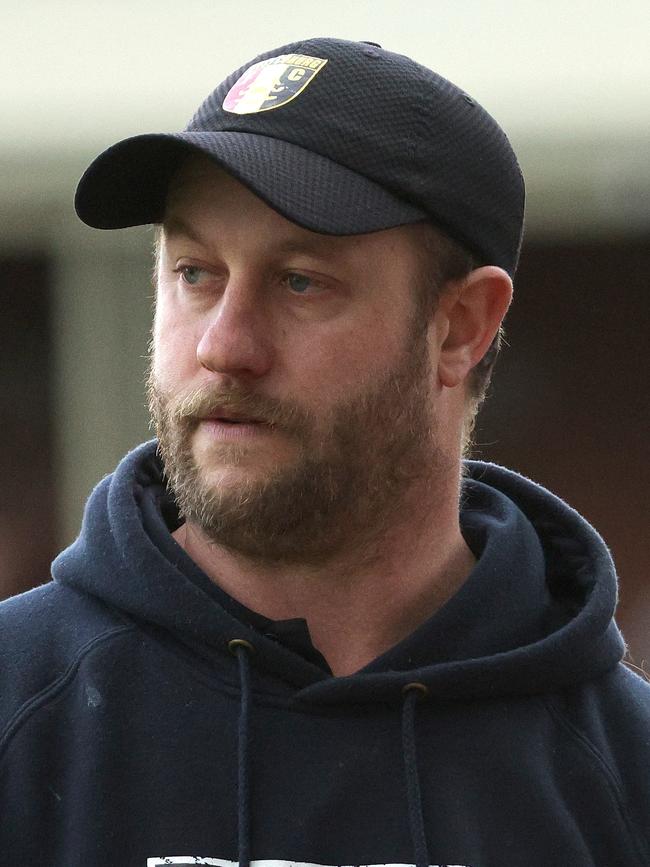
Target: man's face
[{"x": 291, "y": 381}]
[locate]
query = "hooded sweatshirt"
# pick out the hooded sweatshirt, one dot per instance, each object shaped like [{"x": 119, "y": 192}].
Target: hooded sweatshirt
[{"x": 147, "y": 718}]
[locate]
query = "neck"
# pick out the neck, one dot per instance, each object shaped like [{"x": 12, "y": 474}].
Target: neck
[{"x": 360, "y": 603}]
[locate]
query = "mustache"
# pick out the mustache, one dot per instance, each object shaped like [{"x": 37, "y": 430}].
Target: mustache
[{"x": 206, "y": 401}]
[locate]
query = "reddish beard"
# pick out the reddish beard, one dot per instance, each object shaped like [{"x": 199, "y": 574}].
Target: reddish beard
[{"x": 352, "y": 469}]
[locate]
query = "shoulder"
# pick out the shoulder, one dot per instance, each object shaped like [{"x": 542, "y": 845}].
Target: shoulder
[
  {"x": 634, "y": 689},
  {"x": 615, "y": 708},
  {"x": 45, "y": 632},
  {"x": 609, "y": 719},
  {"x": 612, "y": 713}
]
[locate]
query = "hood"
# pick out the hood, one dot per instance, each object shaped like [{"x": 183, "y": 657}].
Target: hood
[{"x": 535, "y": 615}]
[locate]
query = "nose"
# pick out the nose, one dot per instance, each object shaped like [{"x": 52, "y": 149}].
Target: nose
[{"x": 236, "y": 338}]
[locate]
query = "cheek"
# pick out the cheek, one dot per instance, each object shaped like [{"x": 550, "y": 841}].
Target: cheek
[
  {"x": 174, "y": 347},
  {"x": 342, "y": 362}
]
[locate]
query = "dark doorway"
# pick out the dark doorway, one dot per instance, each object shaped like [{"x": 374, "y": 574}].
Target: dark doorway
[
  {"x": 27, "y": 519},
  {"x": 570, "y": 404}
]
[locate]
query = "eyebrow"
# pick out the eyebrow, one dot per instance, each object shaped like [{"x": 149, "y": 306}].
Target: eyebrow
[{"x": 320, "y": 244}]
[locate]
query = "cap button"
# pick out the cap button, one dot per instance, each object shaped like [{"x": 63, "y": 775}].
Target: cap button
[{"x": 372, "y": 51}]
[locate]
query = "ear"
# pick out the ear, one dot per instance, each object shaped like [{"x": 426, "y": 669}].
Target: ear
[{"x": 471, "y": 312}]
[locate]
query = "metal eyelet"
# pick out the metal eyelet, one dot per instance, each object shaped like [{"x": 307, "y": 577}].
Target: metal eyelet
[
  {"x": 415, "y": 685},
  {"x": 240, "y": 642}
]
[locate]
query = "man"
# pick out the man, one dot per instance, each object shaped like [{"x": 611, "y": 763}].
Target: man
[{"x": 297, "y": 629}]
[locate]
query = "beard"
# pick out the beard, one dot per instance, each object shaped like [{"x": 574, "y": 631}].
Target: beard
[{"x": 350, "y": 478}]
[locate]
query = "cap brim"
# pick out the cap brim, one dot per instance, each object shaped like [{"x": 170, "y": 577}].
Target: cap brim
[{"x": 127, "y": 184}]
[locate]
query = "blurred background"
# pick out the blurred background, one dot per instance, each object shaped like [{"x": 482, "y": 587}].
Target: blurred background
[{"x": 569, "y": 82}]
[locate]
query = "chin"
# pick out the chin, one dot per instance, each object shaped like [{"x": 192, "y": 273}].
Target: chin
[{"x": 220, "y": 467}]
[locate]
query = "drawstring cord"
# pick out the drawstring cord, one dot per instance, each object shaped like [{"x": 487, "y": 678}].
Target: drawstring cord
[
  {"x": 242, "y": 650},
  {"x": 412, "y": 692}
]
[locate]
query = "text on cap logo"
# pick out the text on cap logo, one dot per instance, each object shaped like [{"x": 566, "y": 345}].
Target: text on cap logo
[{"x": 272, "y": 83}]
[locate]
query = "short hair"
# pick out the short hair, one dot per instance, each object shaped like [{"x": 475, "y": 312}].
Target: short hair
[{"x": 446, "y": 261}]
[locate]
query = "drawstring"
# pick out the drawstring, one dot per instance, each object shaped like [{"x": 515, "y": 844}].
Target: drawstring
[
  {"x": 412, "y": 691},
  {"x": 242, "y": 650}
]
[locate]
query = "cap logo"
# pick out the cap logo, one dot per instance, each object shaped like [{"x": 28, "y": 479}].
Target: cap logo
[{"x": 272, "y": 83}]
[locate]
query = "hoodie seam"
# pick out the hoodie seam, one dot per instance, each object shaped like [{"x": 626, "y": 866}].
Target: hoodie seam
[
  {"x": 587, "y": 746},
  {"x": 53, "y": 689}
]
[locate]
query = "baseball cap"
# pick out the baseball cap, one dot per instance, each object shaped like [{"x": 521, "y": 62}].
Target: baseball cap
[{"x": 340, "y": 137}]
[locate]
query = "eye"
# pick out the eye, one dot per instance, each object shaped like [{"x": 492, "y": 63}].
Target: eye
[
  {"x": 301, "y": 283},
  {"x": 298, "y": 283},
  {"x": 190, "y": 274}
]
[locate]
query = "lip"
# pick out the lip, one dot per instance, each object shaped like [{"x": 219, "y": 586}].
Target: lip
[
  {"x": 225, "y": 429},
  {"x": 231, "y": 415}
]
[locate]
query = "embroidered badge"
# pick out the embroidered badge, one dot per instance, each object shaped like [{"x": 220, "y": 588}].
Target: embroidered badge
[{"x": 272, "y": 83}]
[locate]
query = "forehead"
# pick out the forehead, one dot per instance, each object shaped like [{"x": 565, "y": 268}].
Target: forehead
[
  {"x": 204, "y": 199},
  {"x": 204, "y": 196}
]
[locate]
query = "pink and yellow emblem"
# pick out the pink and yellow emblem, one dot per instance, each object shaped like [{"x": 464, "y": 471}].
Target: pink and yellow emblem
[{"x": 272, "y": 83}]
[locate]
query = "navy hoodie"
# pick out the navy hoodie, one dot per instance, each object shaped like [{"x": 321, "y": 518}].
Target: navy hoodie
[{"x": 134, "y": 733}]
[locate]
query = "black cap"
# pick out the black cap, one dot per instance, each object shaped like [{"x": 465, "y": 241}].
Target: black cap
[{"x": 339, "y": 137}]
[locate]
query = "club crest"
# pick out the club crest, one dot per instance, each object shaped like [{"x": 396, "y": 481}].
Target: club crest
[{"x": 272, "y": 83}]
